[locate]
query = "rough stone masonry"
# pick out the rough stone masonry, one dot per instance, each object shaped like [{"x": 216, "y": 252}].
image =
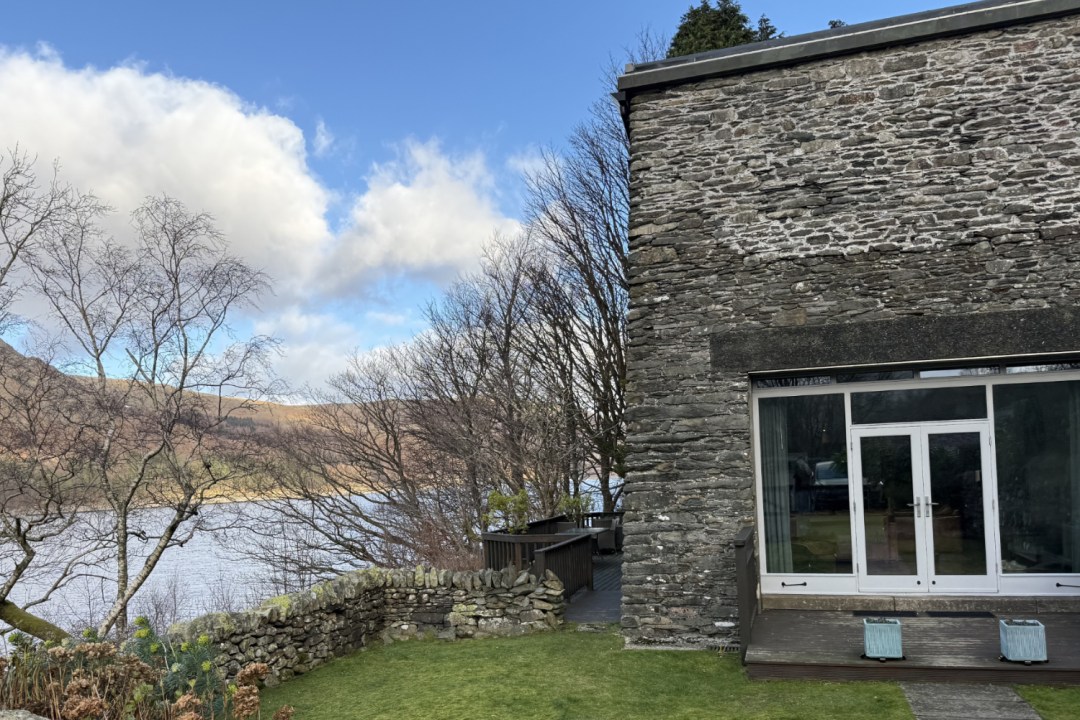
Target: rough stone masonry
[
  {"x": 883, "y": 191},
  {"x": 298, "y": 632}
]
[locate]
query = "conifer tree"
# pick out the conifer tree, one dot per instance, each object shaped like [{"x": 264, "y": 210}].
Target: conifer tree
[{"x": 708, "y": 27}]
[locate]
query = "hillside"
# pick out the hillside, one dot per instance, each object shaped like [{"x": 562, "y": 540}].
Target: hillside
[
  {"x": 250, "y": 429},
  {"x": 14, "y": 364}
]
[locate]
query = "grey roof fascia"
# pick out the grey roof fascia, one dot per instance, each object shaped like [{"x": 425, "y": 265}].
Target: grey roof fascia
[{"x": 846, "y": 40}]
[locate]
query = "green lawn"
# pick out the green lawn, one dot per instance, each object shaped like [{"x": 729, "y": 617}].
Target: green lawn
[
  {"x": 566, "y": 674},
  {"x": 1052, "y": 703}
]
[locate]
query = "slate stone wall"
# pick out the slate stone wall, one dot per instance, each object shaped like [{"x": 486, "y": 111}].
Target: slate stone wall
[
  {"x": 296, "y": 633},
  {"x": 933, "y": 179}
]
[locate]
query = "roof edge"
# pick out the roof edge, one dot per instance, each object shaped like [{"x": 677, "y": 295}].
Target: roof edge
[{"x": 903, "y": 29}]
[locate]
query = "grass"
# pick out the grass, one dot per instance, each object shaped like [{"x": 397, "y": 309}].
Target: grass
[
  {"x": 1052, "y": 703},
  {"x": 564, "y": 675}
]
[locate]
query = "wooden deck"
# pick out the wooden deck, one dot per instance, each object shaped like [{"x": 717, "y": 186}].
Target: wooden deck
[
  {"x": 603, "y": 603},
  {"x": 828, "y": 646}
]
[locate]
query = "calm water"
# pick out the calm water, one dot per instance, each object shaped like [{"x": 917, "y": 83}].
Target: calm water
[
  {"x": 217, "y": 570},
  {"x": 212, "y": 572}
]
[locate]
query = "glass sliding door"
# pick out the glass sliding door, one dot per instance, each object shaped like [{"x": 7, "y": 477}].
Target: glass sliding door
[
  {"x": 889, "y": 475},
  {"x": 956, "y": 507},
  {"x": 922, "y": 508}
]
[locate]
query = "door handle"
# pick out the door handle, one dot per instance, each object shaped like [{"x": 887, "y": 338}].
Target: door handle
[
  {"x": 916, "y": 506},
  {"x": 929, "y": 505}
]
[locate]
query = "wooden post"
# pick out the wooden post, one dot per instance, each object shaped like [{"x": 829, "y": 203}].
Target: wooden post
[{"x": 746, "y": 583}]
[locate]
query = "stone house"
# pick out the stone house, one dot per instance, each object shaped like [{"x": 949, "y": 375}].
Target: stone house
[{"x": 855, "y": 269}]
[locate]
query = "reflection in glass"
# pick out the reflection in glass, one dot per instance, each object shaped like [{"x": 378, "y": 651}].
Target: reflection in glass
[
  {"x": 1037, "y": 430},
  {"x": 1053, "y": 367},
  {"x": 958, "y": 372},
  {"x": 804, "y": 484},
  {"x": 923, "y": 404},
  {"x": 956, "y": 488},
  {"x": 874, "y": 376},
  {"x": 800, "y": 381},
  {"x": 888, "y": 500}
]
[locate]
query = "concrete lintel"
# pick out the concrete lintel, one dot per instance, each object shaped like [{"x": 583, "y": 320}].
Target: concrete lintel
[{"x": 907, "y": 340}]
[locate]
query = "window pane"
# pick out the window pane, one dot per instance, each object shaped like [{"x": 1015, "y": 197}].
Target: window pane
[
  {"x": 1037, "y": 433},
  {"x": 875, "y": 376},
  {"x": 1054, "y": 367},
  {"x": 888, "y": 505},
  {"x": 801, "y": 381},
  {"x": 890, "y": 406},
  {"x": 958, "y": 372},
  {"x": 805, "y": 484},
  {"x": 956, "y": 488}
]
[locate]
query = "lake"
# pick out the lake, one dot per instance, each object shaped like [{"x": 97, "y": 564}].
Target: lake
[{"x": 215, "y": 571}]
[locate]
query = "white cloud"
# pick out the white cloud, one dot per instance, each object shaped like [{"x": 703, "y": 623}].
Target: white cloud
[
  {"x": 324, "y": 139},
  {"x": 527, "y": 163},
  {"x": 385, "y": 318},
  {"x": 124, "y": 133},
  {"x": 315, "y": 345},
  {"x": 426, "y": 214}
]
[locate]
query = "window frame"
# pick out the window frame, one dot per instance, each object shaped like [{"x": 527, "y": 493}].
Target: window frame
[{"x": 1041, "y": 584}]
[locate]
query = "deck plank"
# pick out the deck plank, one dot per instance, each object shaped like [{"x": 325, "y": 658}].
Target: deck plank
[
  {"x": 794, "y": 643},
  {"x": 603, "y": 603}
]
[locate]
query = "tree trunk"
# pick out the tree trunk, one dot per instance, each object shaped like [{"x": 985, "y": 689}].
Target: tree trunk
[
  {"x": 23, "y": 621},
  {"x": 121, "y": 574},
  {"x": 117, "y": 615},
  {"x": 605, "y": 484}
]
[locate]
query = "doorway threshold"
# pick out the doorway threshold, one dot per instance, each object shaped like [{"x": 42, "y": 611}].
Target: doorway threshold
[{"x": 996, "y": 604}]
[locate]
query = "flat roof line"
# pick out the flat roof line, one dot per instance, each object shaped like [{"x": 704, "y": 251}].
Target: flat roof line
[{"x": 846, "y": 40}]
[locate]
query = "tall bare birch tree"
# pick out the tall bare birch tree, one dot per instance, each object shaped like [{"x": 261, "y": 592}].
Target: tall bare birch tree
[
  {"x": 150, "y": 328},
  {"x": 579, "y": 203},
  {"x": 42, "y": 444}
]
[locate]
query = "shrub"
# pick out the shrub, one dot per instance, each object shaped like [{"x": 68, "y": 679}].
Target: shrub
[
  {"x": 510, "y": 511},
  {"x": 574, "y": 508},
  {"x": 150, "y": 678}
]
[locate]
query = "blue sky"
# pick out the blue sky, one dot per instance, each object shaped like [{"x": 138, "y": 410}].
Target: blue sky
[{"x": 361, "y": 152}]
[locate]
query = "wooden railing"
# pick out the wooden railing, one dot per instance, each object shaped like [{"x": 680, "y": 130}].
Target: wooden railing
[
  {"x": 540, "y": 547},
  {"x": 570, "y": 560},
  {"x": 545, "y": 526},
  {"x": 597, "y": 519},
  {"x": 568, "y": 556},
  {"x": 746, "y": 584},
  {"x": 503, "y": 549}
]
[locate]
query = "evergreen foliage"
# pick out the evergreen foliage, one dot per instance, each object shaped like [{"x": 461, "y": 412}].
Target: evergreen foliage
[{"x": 708, "y": 27}]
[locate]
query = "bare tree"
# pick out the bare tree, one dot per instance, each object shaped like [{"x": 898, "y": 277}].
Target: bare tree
[
  {"x": 579, "y": 203},
  {"x": 398, "y": 459},
  {"x": 44, "y": 450},
  {"x": 150, "y": 327},
  {"x": 356, "y": 485},
  {"x": 482, "y": 389}
]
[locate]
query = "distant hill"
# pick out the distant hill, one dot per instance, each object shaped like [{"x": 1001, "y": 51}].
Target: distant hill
[{"x": 260, "y": 418}]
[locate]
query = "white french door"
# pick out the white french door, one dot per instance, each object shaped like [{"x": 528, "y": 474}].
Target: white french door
[{"x": 924, "y": 512}]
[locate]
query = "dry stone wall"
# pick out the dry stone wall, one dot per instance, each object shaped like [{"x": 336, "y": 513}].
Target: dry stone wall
[
  {"x": 298, "y": 632},
  {"x": 940, "y": 178}
]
